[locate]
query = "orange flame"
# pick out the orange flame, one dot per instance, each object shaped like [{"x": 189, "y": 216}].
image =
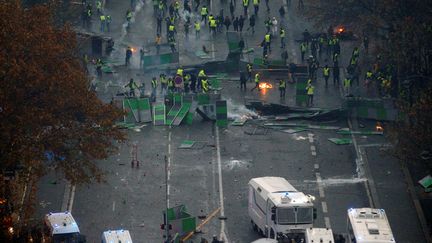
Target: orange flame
[
  {"x": 264, "y": 85},
  {"x": 340, "y": 30}
]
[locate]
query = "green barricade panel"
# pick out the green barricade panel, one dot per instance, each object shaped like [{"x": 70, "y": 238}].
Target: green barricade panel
[
  {"x": 362, "y": 111},
  {"x": 381, "y": 113},
  {"x": 189, "y": 224},
  {"x": 203, "y": 99},
  {"x": 166, "y": 58},
  {"x": 215, "y": 83},
  {"x": 159, "y": 114},
  {"x": 177, "y": 99},
  {"x": 144, "y": 110},
  {"x": 181, "y": 114},
  {"x": 172, "y": 114},
  {"x": 221, "y": 113},
  {"x": 130, "y": 106}
]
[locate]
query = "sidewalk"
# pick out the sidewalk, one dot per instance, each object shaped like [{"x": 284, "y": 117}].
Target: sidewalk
[{"x": 389, "y": 178}]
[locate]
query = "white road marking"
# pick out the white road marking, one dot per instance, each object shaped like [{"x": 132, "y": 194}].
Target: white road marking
[
  {"x": 310, "y": 136},
  {"x": 327, "y": 222},
  {"x": 113, "y": 206},
  {"x": 312, "y": 147},
  {"x": 66, "y": 196},
  {"x": 320, "y": 186},
  {"x": 168, "y": 168},
  {"x": 324, "y": 206},
  {"x": 223, "y": 235},
  {"x": 316, "y": 166},
  {"x": 72, "y": 197},
  {"x": 313, "y": 153}
]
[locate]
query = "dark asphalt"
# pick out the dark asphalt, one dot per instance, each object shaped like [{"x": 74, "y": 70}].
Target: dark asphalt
[{"x": 134, "y": 199}]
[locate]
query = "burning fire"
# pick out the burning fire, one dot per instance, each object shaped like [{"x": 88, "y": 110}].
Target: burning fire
[
  {"x": 379, "y": 127},
  {"x": 340, "y": 30},
  {"x": 264, "y": 85}
]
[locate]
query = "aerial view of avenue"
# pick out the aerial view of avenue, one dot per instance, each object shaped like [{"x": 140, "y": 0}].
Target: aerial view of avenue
[{"x": 216, "y": 121}]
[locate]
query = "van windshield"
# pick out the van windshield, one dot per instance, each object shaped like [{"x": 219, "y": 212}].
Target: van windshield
[{"x": 294, "y": 215}]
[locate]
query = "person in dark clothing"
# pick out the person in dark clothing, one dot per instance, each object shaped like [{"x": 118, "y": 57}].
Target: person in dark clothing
[
  {"x": 193, "y": 82},
  {"x": 336, "y": 77},
  {"x": 236, "y": 24},
  {"x": 252, "y": 23},
  {"x": 242, "y": 81},
  {"x": 284, "y": 56},
  {"x": 241, "y": 23},
  {"x": 232, "y": 9},
  {"x": 306, "y": 36},
  {"x": 159, "y": 24},
  {"x": 227, "y": 22},
  {"x": 282, "y": 12},
  {"x": 197, "y": 3},
  {"x": 128, "y": 56}
]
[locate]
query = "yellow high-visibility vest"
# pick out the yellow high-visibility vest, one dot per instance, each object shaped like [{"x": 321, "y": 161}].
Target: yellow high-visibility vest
[
  {"x": 213, "y": 23},
  {"x": 203, "y": 11},
  {"x": 204, "y": 85},
  {"x": 256, "y": 2},
  {"x": 245, "y": 3},
  {"x": 267, "y": 38},
  {"x": 201, "y": 73},
  {"x": 326, "y": 71},
  {"x": 310, "y": 89},
  {"x": 282, "y": 33},
  {"x": 197, "y": 26},
  {"x": 282, "y": 84},
  {"x": 171, "y": 28},
  {"x": 257, "y": 78},
  {"x": 180, "y": 72},
  {"x": 102, "y": 18}
]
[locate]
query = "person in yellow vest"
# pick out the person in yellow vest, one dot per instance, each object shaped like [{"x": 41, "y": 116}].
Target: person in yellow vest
[
  {"x": 282, "y": 36},
  {"x": 257, "y": 82},
  {"x": 154, "y": 85},
  {"x": 368, "y": 78},
  {"x": 347, "y": 86},
  {"x": 171, "y": 30},
  {"x": 249, "y": 71},
  {"x": 176, "y": 9},
  {"x": 303, "y": 49},
  {"x": 186, "y": 82},
  {"x": 102, "y": 23},
  {"x": 326, "y": 74},
  {"x": 213, "y": 26},
  {"x": 204, "y": 13},
  {"x": 158, "y": 42},
  {"x": 205, "y": 85},
  {"x": 245, "y": 6},
  {"x": 180, "y": 71},
  {"x": 201, "y": 75},
  {"x": 164, "y": 83},
  {"x": 197, "y": 26},
  {"x": 210, "y": 18},
  {"x": 256, "y": 6},
  {"x": 99, "y": 6},
  {"x": 267, "y": 41},
  {"x": 310, "y": 93},
  {"x": 282, "y": 88}
]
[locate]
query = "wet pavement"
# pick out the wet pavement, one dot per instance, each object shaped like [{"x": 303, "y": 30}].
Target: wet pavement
[{"x": 217, "y": 172}]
